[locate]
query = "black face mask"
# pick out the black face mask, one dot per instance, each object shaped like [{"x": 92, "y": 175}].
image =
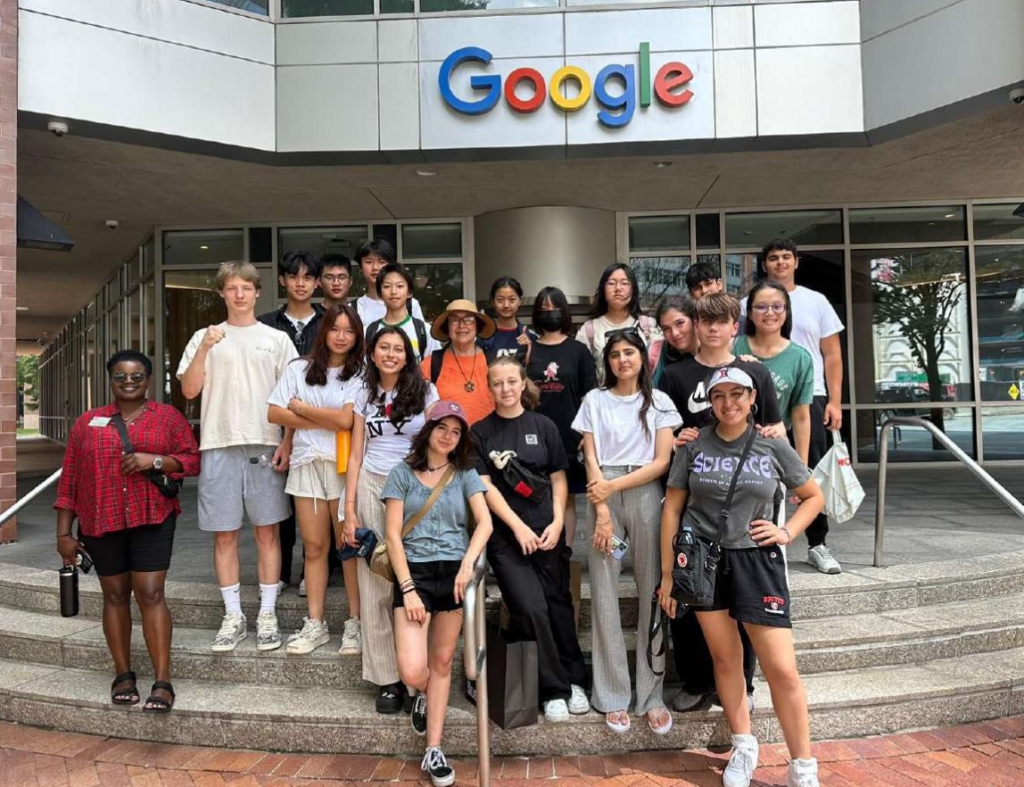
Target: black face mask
[{"x": 550, "y": 320}]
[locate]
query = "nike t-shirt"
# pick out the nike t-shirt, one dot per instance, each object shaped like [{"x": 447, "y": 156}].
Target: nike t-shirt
[{"x": 686, "y": 384}]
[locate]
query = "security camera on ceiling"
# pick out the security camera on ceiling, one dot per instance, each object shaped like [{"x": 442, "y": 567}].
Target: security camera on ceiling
[
  {"x": 57, "y": 127},
  {"x": 1017, "y": 95}
]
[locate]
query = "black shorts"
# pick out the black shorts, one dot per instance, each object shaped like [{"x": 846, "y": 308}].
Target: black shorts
[
  {"x": 435, "y": 585},
  {"x": 143, "y": 548},
  {"x": 752, "y": 586},
  {"x": 576, "y": 476}
]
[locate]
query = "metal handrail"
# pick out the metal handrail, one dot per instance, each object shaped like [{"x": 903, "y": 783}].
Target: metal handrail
[
  {"x": 475, "y": 630},
  {"x": 953, "y": 448},
  {"x": 20, "y": 504}
]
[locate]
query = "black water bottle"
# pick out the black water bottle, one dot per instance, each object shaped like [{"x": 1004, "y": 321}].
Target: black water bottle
[{"x": 69, "y": 591}]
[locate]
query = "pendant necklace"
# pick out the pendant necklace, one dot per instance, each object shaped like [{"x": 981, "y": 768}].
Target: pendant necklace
[
  {"x": 469, "y": 385},
  {"x": 435, "y": 469}
]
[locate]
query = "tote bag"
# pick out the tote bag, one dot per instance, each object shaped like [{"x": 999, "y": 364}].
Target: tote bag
[{"x": 834, "y": 474}]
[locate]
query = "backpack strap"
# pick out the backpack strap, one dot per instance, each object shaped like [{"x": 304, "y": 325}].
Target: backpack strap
[
  {"x": 421, "y": 336},
  {"x": 122, "y": 430},
  {"x": 436, "y": 361},
  {"x": 372, "y": 328},
  {"x": 588, "y": 328}
]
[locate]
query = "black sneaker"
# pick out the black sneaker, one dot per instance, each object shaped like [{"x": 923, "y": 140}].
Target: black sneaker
[
  {"x": 419, "y": 714},
  {"x": 390, "y": 698},
  {"x": 434, "y": 763}
]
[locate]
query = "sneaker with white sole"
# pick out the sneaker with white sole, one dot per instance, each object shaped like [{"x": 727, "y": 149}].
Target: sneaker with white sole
[
  {"x": 232, "y": 631},
  {"x": 302, "y": 588},
  {"x": 352, "y": 638},
  {"x": 742, "y": 761},
  {"x": 578, "y": 702},
  {"x": 802, "y": 773},
  {"x": 418, "y": 717},
  {"x": 556, "y": 710},
  {"x": 434, "y": 763},
  {"x": 311, "y": 636},
  {"x": 268, "y": 635},
  {"x": 821, "y": 558}
]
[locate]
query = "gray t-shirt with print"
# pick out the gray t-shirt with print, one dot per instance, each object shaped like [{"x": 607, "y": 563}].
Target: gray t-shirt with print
[
  {"x": 443, "y": 533},
  {"x": 705, "y": 468}
]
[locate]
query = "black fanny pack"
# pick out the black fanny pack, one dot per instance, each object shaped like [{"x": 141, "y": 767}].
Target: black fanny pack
[
  {"x": 165, "y": 485},
  {"x": 518, "y": 477}
]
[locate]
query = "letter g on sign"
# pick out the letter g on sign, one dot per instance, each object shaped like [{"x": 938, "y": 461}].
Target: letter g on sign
[{"x": 491, "y": 83}]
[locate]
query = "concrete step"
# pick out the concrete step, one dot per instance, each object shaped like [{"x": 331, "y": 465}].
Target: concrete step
[{"x": 323, "y": 719}]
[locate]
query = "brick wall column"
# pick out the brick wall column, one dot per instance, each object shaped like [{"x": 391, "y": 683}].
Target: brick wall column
[{"x": 8, "y": 251}]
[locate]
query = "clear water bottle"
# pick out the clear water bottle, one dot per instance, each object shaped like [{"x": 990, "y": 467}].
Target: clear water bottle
[{"x": 69, "y": 591}]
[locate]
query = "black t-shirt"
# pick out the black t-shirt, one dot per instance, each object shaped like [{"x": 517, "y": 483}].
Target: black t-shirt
[
  {"x": 564, "y": 373},
  {"x": 685, "y": 383},
  {"x": 538, "y": 446}
]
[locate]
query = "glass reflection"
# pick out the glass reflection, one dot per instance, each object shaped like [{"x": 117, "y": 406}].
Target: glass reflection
[
  {"x": 435, "y": 285},
  {"x": 908, "y": 225},
  {"x": 659, "y": 233},
  {"x": 1000, "y": 284},
  {"x": 803, "y": 227},
  {"x": 999, "y": 222},
  {"x": 657, "y": 277},
  {"x": 1003, "y": 432},
  {"x": 911, "y": 443}
]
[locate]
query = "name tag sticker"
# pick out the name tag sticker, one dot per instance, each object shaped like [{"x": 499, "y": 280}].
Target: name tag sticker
[{"x": 99, "y": 421}]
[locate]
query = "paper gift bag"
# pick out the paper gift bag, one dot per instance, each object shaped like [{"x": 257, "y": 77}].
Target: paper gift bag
[{"x": 512, "y": 678}]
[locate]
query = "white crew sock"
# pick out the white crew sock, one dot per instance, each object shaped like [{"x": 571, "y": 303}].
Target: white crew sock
[
  {"x": 268, "y": 598},
  {"x": 232, "y": 598}
]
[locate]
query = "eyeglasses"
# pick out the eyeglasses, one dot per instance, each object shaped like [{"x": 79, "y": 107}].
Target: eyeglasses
[
  {"x": 619, "y": 284},
  {"x": 468, "y": 320},
  {"x": 763, "y": 308},
  {"x": 331, "y": 278},
  {"x": 123, "y": 377}
]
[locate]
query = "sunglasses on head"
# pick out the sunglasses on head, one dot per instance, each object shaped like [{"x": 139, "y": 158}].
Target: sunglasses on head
[
  {"x": 123, "y": 377},
  {"x": 622, "y": 333}
]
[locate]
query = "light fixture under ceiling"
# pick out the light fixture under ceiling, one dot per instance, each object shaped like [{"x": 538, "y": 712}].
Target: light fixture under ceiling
[
  {"x": 21, "y": 308},
  {"x": 426, "y": 172},
  {"x": 661, "y": 164},
  {"x": 204, "y": 247},
  {"x": 949, "y": 216}
]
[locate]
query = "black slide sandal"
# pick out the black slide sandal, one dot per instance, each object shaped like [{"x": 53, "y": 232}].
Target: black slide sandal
[
  {"x": 155, "y": 704},
  {"x": 128, "y": 696}
]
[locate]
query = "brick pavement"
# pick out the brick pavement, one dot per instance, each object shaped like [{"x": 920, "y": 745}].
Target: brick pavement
[{"x": 989, "y": 754}]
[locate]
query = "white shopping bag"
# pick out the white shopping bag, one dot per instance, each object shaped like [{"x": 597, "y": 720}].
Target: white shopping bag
[{"x": 835, "y": 476}]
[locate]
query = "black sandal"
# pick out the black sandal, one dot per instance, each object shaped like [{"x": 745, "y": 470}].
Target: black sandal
[
  {"x": 128, "y": 696},
  {"x": 155, "y": 704}
]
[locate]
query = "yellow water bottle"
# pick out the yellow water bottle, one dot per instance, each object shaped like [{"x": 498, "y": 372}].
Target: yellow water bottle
[{"x": 344, "y": 448}]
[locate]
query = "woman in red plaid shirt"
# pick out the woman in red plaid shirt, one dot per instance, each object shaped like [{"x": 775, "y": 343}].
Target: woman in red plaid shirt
[{"x": 124, "y": 522}]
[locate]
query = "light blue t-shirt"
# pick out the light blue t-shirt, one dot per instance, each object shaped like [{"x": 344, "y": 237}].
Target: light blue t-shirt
[{"x": 443, "y": 533}]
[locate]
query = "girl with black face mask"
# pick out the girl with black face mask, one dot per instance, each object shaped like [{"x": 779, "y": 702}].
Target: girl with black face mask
[{"x": 564, "y": 372}]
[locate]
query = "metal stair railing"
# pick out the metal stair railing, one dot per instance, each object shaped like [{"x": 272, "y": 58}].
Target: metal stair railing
[
  {"x": 475, "y": 647},
  {"x": 20, "y": 504},
  {"x": 883, "y": 467}
]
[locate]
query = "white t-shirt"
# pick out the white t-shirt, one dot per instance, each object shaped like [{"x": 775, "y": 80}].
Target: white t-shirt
[
  {"x": 614, "y": 422},
  {"x": 387, "y": 444},
  {"x": 310, "y": 444},
  {"x": 242, "y": 370},
  {"x": 370, "y": 310}
]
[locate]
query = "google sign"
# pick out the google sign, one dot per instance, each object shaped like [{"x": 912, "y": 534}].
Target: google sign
[{"x": 617, "y": 109}]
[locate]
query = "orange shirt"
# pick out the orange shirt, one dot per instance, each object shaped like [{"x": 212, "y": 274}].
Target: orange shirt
[{"x": 451, "y": 385}]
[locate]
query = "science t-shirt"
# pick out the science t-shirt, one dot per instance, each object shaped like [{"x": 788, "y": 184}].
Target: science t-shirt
[
  {"x": 242, "y": 370},
  {"x": 792, "y": 374},
  {"x": 387, "y": 442},
  {"x": 614, "y": 421},
  {"x": 686, "y": 384},
  {"x": 564, "y": 373},
  {"x": 442, "y": 533},
  {"x": 705, "y": 467},
  {"x": 538, "y": 446}
]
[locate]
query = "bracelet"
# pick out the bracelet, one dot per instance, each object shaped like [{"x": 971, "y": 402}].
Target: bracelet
[
  {"x": 785, "y": 529},
  {"x": 406, "y": 583},
  {"x": 64, "y": 535},
  {"x": 408, "y": 590}
]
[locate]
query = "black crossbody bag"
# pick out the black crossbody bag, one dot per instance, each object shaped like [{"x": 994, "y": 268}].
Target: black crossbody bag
[{"x": 165, "y": 485}]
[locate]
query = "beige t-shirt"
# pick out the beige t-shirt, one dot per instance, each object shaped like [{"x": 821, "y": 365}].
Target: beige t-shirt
[{"x": 242, "y": 371}]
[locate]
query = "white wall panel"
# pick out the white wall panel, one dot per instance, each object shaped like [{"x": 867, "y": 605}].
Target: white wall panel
[
  {"x": 326, "y": 43},
  {"x": 327, "y": 108},
  {"x": 666, "y": 29},
  {"x": 733, "y": 27},
  {"x": 79, "y": 71},
  {"x": 801, "y": 24},
  {"x": 881, "y": 16},
  {"x": 397, "y": 41},
  {"x": 735, "y": 94},
  {"x": 809, "y": 90},
  {"x": 537, "y": 35},
  {"x": 170, "y": 20},
  {"x": 399, "y": 100}
]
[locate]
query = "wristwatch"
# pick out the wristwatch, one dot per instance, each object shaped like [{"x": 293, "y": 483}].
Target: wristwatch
[{"x": 158, "y": 463}]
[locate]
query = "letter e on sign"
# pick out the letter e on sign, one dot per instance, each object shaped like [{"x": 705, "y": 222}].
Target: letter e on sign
[{"x": 670, "y": 77}]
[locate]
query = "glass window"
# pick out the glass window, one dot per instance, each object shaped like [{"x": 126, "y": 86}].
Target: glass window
[
  {"x": 709, "y": 231},
  {"x": 430, "y": 6},
  {"x": 912, "y": 328},
  {"x": 114, "y": 330},
  {"x": 149, "y": 257},
  {"x": 134, "y": 327},
  {"x": 297, "y": 8},
  {"x": 1003, "y": 432},
  {"x": 261, "y": 7},
  {"x": 396, "y": 6},
  {"x": 133, "y": 269},
  {"x": 1000, "y": 291},
  {"x": 435, "y": 285},
  {"x": 911, "y": 443},
  {"x": 423, "y": 241},
  {"x": 908, "y": 225},
  {"x": 322, "y": 240},
  {"x": 999, "y": 222},
  {"x": 803, "y": 227},
  {"x": 202, "y": 247},
  {"x": 741, "y": 271},
  {"x": 659, "y": 233},
  {"x": 657, "y": 277},
  {"x": 149, "y": 309}
]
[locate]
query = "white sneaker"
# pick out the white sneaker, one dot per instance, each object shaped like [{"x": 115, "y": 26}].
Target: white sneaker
[
  {"x": 742, "y": 762},
  {"x": 313, "y": 634},
  {"x": 281, "y": 586},
  {"x": 435, "y": 764},
  {"x": 302, "y": 588},
  {"x": 821, "y": 558},
  {"x": 556, "y": 710},
  {"x": 352, "y": 638},
  {"x": 578, "y": 702},
  {"x": 232, "y": 631},
  {"x": 268, "y": 635},
  {"x": 802, "y": 773}
]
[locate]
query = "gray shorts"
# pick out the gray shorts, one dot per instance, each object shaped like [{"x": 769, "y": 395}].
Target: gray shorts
[{"x": 238, "y": 482}]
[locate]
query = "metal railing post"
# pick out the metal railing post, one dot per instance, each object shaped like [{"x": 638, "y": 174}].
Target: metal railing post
[
  {"x": 883, "y": 468},
  {"x": 475, "y": 647},
  {"x": 20, "y": 504}
]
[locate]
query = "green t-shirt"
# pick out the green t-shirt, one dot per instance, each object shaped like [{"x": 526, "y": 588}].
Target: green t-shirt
[{"x": 792, "y": 373}]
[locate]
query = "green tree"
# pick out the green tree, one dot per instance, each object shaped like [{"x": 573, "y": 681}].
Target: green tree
[{"x": 28, "y": 380}]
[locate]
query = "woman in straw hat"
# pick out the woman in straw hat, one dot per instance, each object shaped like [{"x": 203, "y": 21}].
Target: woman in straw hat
[{"x": 460, "y": 370}]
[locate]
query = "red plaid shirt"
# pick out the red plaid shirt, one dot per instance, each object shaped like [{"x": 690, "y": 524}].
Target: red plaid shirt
[{"x": 92, "y": 485}]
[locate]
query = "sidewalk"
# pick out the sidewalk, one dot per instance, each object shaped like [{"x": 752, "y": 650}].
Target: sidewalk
[{"x": 982, "y": 755}]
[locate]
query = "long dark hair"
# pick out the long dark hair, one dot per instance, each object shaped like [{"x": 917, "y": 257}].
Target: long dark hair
[
  {"x": 767, "y": 284},
  {"x": 461, "y": 456},
  {"x": 320, "y": 354},
  {"x": 632, "y": 337},
  {"x": 600, "y": 307},
  {"x": 410, "y": 390}
]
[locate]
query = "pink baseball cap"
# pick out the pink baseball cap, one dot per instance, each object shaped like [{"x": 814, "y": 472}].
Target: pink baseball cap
[{"x": 446, "y": 408}]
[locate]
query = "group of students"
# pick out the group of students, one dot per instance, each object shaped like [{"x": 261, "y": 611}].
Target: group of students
[{"x": 476, "y": 433}]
